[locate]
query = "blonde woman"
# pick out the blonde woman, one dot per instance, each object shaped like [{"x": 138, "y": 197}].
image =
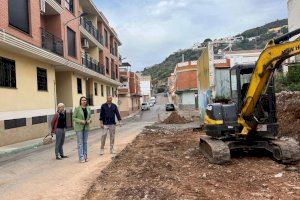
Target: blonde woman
[
  {"x": 82, "y": 120},
  {"x": 59, "y": 126}
]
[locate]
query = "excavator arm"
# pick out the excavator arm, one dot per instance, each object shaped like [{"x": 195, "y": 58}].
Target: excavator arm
[{"x": 276, "y": 51}]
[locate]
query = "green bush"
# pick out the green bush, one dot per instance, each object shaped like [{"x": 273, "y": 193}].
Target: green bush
[{"x": 290, "y": 82}]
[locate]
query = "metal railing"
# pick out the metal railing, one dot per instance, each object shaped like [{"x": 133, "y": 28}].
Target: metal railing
[
  {"x": 87, "y": 25},
  {"x": 92, "y": 64},
  {"x": 52, "y": 43}
]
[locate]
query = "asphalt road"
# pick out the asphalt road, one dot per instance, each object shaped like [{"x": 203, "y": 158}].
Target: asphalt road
[{"x": 35, "y": 174}]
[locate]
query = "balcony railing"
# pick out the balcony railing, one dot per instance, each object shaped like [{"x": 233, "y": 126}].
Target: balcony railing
[
  {"x": 92, "y": 64},
  {"x": 52, "y": 43},
  {"x": 87, "y": 25}
]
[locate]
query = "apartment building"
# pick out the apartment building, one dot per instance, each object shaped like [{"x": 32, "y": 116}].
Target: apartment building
[
  {"x": 129, "y": 92},
  {"x": 186, "y": 84},
  {"x": 52, "y": 51}
]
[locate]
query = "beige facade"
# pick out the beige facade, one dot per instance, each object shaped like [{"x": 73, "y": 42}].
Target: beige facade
[{"x": 26, "y": 110}]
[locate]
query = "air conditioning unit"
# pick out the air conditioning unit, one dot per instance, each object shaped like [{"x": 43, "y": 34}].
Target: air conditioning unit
[
  {"x": 85, "y": 44},
  {"x": 43, "y": 6}
]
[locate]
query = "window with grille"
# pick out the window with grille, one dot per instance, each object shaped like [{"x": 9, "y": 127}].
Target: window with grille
[
  {"x": 69, "y": 5},
  {"x": 96, "y": 89},
  {"x": 42, "y": 79},
  {"x": 18, "y": 14},
  {"x": 112, "y": 92},
  {"x": 102, "y": 91},
  {"x": 7, "y": 73},
  {"x": 79, "y": 86},
  {"x": 107, "y": 91}
]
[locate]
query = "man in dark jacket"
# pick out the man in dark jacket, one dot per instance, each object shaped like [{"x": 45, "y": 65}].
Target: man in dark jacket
[{"x": 109, "y": 111}]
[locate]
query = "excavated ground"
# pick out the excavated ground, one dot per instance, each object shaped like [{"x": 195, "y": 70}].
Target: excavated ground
[
  {"x": 162, "y": 164},
  {"x": 288, "y": 113}
]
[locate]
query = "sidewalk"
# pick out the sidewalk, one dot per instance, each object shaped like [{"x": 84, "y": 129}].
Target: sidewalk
[{"x": 32, "y": 144}]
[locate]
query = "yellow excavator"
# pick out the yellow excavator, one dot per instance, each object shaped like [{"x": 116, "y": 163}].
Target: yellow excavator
[{"x": 249, "y": 121}]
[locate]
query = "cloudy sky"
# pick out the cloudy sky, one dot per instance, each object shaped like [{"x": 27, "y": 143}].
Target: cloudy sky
[{"x": 152, "y": 29}]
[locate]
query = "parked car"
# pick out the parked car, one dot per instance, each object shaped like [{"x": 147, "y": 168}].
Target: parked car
[
  {"x": 170, "y": 107},
  {"x": 153, "y": 99},
  {"x": 151, "y": 104},
  {"x": 145, "y": 106}
]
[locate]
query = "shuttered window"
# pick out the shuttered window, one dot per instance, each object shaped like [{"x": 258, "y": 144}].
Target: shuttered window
[
  {"x": 71, "y": 42},
  {"x": 18, "y": 14}
]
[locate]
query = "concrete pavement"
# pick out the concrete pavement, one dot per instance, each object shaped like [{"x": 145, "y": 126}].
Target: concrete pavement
[{"x": 35, "y": 174}]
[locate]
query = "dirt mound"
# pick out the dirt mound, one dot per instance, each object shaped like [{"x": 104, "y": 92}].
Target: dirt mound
[
  {"x": 288, "y": 113},
  {"x": 175, "y": 118},
  {"x": 162, "y": 166}
]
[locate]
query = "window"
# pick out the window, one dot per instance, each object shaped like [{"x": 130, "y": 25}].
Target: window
[
  {"x": 69, "y": 5},
  {"x": 107, "y": 91},
  {"x": 7, "y": 73},
  {"x": 79, "y": 86},
  {"x": 96, "y": 89},
  {"x": 112, "y": 92},
  {"x": 107, "y": 65},
  {"x": 102, "y": 91},
  {"x": 71, "y": 42},
  {"x": 42, "y": 79},
  {"x": 106, "y": 37},
  {"x": 117, "y": 74},
  {"x": 18, "y": 14}
]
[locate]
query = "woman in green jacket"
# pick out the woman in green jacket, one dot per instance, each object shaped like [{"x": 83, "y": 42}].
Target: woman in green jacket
[{"x": 82, "y": 120}]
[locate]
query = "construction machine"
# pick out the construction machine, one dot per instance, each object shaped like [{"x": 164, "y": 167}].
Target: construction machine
[{"x": 248, "y": 121}]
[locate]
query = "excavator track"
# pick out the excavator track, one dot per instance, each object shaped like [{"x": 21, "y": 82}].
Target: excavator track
[
  {"x": 287, "y": 151},
  {"x": 216, "y": 151}
]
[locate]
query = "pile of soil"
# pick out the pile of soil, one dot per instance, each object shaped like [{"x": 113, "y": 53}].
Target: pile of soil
[
  {"x": 175, "y": 118},
  {"x": 164, "y": 166},
  {"x": 288, "y": 113}
]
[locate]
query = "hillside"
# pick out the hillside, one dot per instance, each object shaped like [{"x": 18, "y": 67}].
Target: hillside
[
  {"x": 255, "y": 38},
  {"x": 160, "y": 72}
]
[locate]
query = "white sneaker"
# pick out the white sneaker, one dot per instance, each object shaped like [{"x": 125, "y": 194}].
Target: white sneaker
[{"x": 101, "y": 152}]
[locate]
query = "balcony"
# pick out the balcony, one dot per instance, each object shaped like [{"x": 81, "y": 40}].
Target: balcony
[
  {"x": 92, "y": 64},
  {"x": 52, "y": 43},
  {"x": 123, "y": 90},
  {"x": 51, "y": 7},
  {"x": 93, "y": 31}
]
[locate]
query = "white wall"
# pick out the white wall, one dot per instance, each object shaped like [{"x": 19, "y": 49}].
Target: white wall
[
  {"x": 236, "y": 59},
  {"x": 145, "y": 87},
  {"x": 187, "y": 98},
  {"x": 293, "y": 17}
]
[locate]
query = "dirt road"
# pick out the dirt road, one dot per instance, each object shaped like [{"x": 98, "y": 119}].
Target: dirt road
[
  {"x": 37, "y": 175},
  {"x": 162, "y": 165}
]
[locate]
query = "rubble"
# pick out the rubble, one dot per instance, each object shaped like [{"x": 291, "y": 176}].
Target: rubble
[
  {"x": 175, "y": 118},
  {"x": 288, "y": 113}
]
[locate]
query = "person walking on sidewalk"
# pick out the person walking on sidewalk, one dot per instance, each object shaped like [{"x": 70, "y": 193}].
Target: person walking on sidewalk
[
  {"x": 108, "y": 113},
  {"x": 59, "y": 126},
  {"x": 82, "y": 120}
]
